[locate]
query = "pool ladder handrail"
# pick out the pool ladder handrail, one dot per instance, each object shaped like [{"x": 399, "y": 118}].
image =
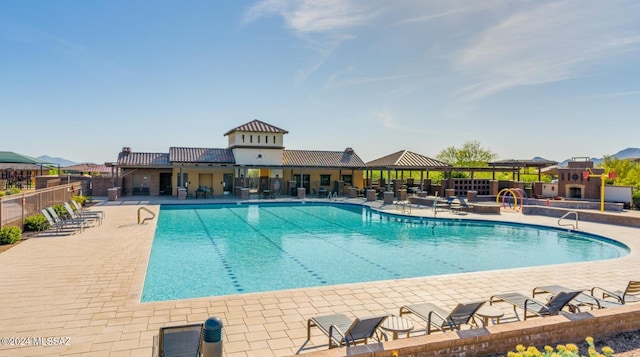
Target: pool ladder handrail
[
  {"x": 404, "y": 206},
  {"x": 332, "y": 196},
  {"x": 569, "y": 224},
  {"x": 153, "y": 215}
]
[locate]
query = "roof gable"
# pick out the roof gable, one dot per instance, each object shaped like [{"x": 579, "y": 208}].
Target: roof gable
[
  {"x": 407, "y": 159},
  {"x": 257, "y": 126}
]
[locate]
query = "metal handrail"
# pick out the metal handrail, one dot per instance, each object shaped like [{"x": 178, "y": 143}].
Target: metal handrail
[
  {"x": 569, "y": 224},
  {"x": 153, "y": 215},
  {"x": 402, "y": 206}
]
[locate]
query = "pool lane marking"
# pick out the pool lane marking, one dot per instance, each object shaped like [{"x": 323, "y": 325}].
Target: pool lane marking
[
  {"x": 392, "y": 243},
  {"x": 317, "y": 276},
  {"x": 232, "y": 276},
  {"x": 341, "y": 248}
]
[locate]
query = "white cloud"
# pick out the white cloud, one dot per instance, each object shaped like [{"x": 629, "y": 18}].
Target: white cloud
[
  {"x": 305, "y": 17},
  {"x": 546, "y": 42},
  {"x": 323, "y": 24}
]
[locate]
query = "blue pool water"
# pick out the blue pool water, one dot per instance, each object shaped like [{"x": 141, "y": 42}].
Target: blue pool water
[{"x": 209, "y": 250}]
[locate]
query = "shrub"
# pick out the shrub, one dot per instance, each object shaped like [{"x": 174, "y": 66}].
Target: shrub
[
  {"x": 13, "y": 191},
  {"x": 60, "y": 210},
  {"x": 636, "y": 199},
  {"x": 10, "y": 235},
  {"x": 80, "y": 199},
  {"x": 35, "y": 223}
]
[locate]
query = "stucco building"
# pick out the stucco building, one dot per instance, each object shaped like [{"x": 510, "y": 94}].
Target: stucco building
[{"x": 255, "y": 159}]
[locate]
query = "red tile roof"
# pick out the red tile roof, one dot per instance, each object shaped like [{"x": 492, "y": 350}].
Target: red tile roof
[
  {"x": 201, "y": 155},
  {"x": 257, "y": 126},
  {"x": 406, "y": 159}
]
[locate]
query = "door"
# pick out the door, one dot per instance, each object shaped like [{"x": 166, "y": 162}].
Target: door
[
  {"x": 305, "y": 183},
  {"x": 165, "y": 184},
  {"x": 227, "y": 183}
]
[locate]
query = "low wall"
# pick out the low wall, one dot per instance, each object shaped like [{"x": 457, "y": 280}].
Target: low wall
[
  {"x": 617, "y": 218},
  {"x": 500, "y": 339},
  {"x": 573, "y": 204},
  {"x": 475, "y": 207}
]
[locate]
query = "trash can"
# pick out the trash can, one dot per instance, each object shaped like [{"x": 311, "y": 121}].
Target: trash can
[
  {"x": 212, "y": 338},
  {"x": 112, "y": 194}
]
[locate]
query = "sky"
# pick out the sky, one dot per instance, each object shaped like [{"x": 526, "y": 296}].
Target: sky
[{"x": 554, "y": 79}]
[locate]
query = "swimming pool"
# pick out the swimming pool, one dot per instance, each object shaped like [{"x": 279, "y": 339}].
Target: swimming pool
[{"x": 223, "y": 249}]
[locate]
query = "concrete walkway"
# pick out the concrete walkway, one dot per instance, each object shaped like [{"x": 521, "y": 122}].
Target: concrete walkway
[{"x": 86, "y": 289}]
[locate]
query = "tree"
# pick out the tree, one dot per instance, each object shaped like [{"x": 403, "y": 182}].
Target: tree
[
  {"x": 470, "y": 154},
  {"x": 627, "y": 171}
]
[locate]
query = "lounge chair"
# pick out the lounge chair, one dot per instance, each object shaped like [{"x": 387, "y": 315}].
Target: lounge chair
[
  {"x": 57, "y": 225},
  {"x": 77, "y": 217},
  {"x": 52, "y": 224},
  {"x": 444, "y": 205},
  {"x": 582, "y": 299},
  {"x": 630, "y": 294},
  {"x": 439, "y": 319},
  {"x": 185, "y": 340},
  {"x": 462, "y": 207},
  {"x": 534, "y": 308},
  {"x": 70, "y": 222},
  {"x": 344, "y": 331},
  {"x": 85, "y": 212}
]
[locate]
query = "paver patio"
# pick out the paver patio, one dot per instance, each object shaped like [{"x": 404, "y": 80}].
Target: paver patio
[{"x": 87, "y": 288}]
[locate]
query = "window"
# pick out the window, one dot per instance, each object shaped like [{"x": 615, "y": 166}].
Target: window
[
  {"x": 266, "y": 139},
  {"x": 243, "y": 138},
  {"x": 274, "y": 139},
  {"x": 348, "y": 179},
  {"x": 251, "y": 138},
  {"x": 258, "y": 139},
  {"x": 325, "y": 180}
]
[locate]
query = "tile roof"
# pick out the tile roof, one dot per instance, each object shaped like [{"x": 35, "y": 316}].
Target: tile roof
[
  {"x": 309, "y": 158},
  {"x": 257, "y": 126},
  {"x": 86, "y": 167},
  {"x": 201, "y": 155},
  {"x": 408, "y": 160},
  {"x": 143, "y": 159}
]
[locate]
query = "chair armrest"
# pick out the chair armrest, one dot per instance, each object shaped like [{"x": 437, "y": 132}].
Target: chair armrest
[
  {"x": 606, "y": 293},
  {"x": 534, "y": 301},
  {"x": 440, "y": 316},
  {"x": 337, "y": 330}
]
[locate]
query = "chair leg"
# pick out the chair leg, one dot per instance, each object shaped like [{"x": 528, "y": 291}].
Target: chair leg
[{"x": 309, "y": 325}]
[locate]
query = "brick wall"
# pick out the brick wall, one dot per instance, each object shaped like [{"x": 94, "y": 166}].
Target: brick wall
[{"x": 500, "y": 339}]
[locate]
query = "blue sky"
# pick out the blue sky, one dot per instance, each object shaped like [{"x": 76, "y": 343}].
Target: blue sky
[{"x": 557, "y": 79}]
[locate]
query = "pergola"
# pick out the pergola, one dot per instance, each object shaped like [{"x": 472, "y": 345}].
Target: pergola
[
  {"x": 516, "y": 165},
  {"x": 10, "y": 162},
  {"x": 405, "y": 160}
]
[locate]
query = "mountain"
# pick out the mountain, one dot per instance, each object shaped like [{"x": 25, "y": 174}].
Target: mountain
[
  {"x": 622, "y": 154},
  {"x": 628, "y": 153},
  {"x": 57, "y": 160}
]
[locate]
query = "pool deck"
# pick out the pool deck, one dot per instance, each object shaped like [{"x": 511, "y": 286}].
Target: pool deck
[{"x": 87, "y": 287}]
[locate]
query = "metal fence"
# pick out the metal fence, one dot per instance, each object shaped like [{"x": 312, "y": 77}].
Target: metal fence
[{"x": 15, "y": 208}]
